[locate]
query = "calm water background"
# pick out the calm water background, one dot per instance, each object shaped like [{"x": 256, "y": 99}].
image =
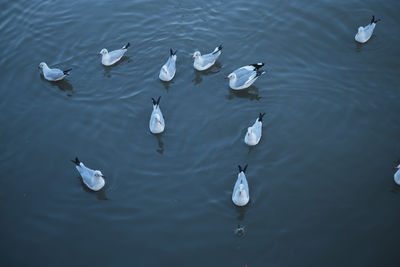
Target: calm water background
[{"x": 321, "y": 179}]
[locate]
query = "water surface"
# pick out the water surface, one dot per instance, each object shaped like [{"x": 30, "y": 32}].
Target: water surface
[{"x": 321, "y": 179}]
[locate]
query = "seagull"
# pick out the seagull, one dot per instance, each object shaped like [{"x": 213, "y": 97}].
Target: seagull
[
  {"x": 92, "y": 179},
  {"x": 397, "y": 175},
  {"x": 203, "y": 62},
  {"x": 110, "y": 58},
  {"x": 245, "y": 76},
  {"x": 168, "y": 70},
  {"x": 53, "y": 74},
  {"x": 240, "y": 195},
  {"x": 364, "y": 33},
  {"x": 156, "y": 124},
  {"x": 254, "y": 132}
]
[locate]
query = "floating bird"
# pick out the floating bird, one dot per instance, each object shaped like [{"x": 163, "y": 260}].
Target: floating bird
[
  {"x": 53, "y": 74},
  {"x": 254, "y": 132},
  {"x": 203, "y": 62},
  {"x": 168, "y": 70},
  {"x": 92, "y": 179},
  {"x": 397, "y": 175},
  {"x": 110, "y": 58},
  {"x": 245, "y": 76},
  {"x": 156, "y": 124},
  {"x": 240, "y": 195},
  {"x": 364, "y": 33}
]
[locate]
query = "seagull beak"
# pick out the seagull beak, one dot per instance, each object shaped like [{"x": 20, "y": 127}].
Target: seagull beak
[
  {"x": 98, "y": 54},
  {"x": 226, "y": 77},
  {"x": 396, "y": 168},
  {"x": 103, "y": 176},
  {"x": 193, "y": 57}
]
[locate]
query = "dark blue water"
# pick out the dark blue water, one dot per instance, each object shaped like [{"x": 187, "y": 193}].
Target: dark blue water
[{"x": 321, "y": 179}]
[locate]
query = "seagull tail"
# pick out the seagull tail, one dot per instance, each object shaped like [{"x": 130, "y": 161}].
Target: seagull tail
[
  {"x": 258, "y": 65},
  {"x": 242, "y": 170},
  {"x": 154, "y": 101},
  {"x": 66, "y": 72},
  {"x": 373, "y": 19},
  {"x": 217, "y": 49},
  {"x": 260, "y": 117},
  {"x": 126, "y": 46},
  {"x": 158, "y": 100},
  {"x": 245, "y": 168},
  {"x": 172, "y": 53},
  {"x": 259, "y": 73},
  {"x": 76, "y": 161}
]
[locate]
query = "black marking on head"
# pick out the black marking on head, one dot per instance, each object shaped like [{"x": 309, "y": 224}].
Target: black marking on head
[
  {"x": 260, "y": 117},
  {"x": 76, "y": 161}
]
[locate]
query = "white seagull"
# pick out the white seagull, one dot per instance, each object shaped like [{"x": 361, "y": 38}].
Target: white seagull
[
  {"x": 93, "y": 179},
  {"x": 53, "y": 74},
  {"x": 397, "y": 175},
  {"x": 254, "y": 132},
  {"x": 168, "y": 70},
  {"x": 110, "y": 58},
  {"x": 241, "y": 195},
  {"x": 364, "y": 33},
  {"x": 203, "y": 62},
  {"x": 156, "y": 124},
  {"x": 245, "y": 76}
]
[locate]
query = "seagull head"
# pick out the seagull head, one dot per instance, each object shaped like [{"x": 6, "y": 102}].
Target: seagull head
[
  {"x": 249, "y": 131},
  {"x": 241, "y": 190},
  {"x": 164, "y": 69},
  {"x": 103, "y": 51},
  {"x": 98, "y": 174},
  {"x": 397, "y": 167},
  {"x": 196, "y": 54},
  {"x": 42, "y": 65},
  {"x": 241, "y": 187},
  {"x": 157, "y": 118},
  {"x": 360, "y": 29},
  {"x": 230, "y": 76}
]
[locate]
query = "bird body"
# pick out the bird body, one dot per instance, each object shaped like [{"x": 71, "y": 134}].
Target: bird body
[
  {"x": 156, "y": 124},
  {"x": 397, "y": 175},
  {"x": 203, "y": 62},
  {"x": 167, "y": 71},
  {"x": 244, "y": 77},
  {"x": 110, "y": 58},
  {"x": 254, "y": 132},
  {"x": 93, "y": 179},
  {"x": 364, "y": 33},
  {"x": 241, "y": 194},
  {"x": 53, "y": 74}
]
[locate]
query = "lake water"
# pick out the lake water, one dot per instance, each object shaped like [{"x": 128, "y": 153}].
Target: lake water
[{"x": 321, "y": 179}]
